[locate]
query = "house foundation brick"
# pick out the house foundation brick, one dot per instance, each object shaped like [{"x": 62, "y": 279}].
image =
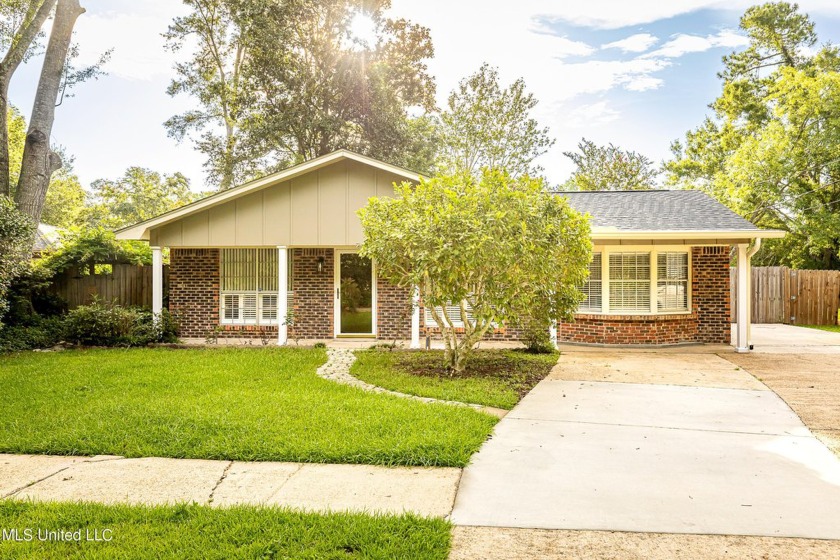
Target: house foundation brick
[{"x": 708, "y": 321}]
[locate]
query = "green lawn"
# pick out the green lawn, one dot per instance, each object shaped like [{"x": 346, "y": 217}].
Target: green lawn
[
  {"x": 198, "y": 532},
  {"x": 496, "y": 378},
  {"x": 829, "y": 328},
  {"x": 251, "y": 404}
]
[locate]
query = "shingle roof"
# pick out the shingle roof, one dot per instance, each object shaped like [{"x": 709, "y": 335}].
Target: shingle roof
[{"x": 679, "y": 210}]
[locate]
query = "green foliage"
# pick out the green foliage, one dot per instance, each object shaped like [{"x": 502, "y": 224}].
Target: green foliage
[
  {"x": 497, "y": 378},
  {"x": 16, "y": 233},
  {"x": 38, "y": 333},
  {"x": 503, "y": 246},
  {"x": 771, "y": 150},
  {"x": 241, "y": 404},
  {"x": 281, "y": 82},
  {"x": 195, "y": 532},
  {"x": 487, "y": 126},
  {"x": 138, "y": 195},
  {"x": 99, "y": 324},
  {"x": 536, "y": 337},
  {"x": 83, "y": 248},
  {"x": 609, "y": 168}
]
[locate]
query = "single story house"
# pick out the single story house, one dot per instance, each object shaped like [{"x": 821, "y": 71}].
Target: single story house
[{"x": 280, "y": 254}]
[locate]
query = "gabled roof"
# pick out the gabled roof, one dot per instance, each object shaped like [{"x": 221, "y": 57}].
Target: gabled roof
[
  {"x": 684, "y": 213},
  {"x": 141, "y": 230}
]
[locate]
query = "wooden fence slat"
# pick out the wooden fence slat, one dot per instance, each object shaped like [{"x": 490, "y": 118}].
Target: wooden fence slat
[{"x": 127, "y": 284}]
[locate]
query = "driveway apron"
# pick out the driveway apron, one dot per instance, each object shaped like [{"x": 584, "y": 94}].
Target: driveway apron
[{"x": 653, "y": 458}]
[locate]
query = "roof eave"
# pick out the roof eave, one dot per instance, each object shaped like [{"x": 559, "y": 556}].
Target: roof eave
[{"x": 612, "y": 233}]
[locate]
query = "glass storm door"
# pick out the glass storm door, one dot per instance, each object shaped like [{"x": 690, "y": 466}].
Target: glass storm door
[{"x": 354, "y": 294}]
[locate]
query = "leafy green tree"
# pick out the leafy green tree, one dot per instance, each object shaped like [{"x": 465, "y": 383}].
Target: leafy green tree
[
  {"x": 502, "y": 246},
  {"x": 609, "y": 168},
  {"x": 487, "y": 126},
  {"x": 65, "y": 200},
  {"x": 16, "y": 231},
  {"x": 138, "y": 195},
  {"x": 281, "y": 82},
  {"x": 770, "y": 151},
  {"x": 85, "y": 247}
]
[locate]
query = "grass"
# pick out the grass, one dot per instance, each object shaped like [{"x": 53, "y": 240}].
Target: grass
[
  {"x": 829, "y": 328},
  {"x": 498, "y": 378},
  {"x": 199, "y": 532},
  {"x": 259, "y": 404}
]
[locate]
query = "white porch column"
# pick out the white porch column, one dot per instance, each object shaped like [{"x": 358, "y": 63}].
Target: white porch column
[
  {"x": 282, "y": 295},
  {"x": 743, "y": 296},
  {"x": 552, "y": 333},
  {"x": 157, "y": 280},
  {"x": 415, "y": 318}
]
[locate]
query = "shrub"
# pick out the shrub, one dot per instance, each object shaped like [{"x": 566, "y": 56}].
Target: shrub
[
  {"x": 536, "y": 337},
  {"x": 16, "y": 231},
  {"x": 98, "y": 324},
  {"x": 43, "y": 333}
]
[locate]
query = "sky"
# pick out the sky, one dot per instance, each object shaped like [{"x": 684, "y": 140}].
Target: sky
[{"x": 636, "y": 74}]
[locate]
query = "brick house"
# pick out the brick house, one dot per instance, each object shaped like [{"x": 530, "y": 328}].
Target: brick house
[{"x": 278, "y": 257}]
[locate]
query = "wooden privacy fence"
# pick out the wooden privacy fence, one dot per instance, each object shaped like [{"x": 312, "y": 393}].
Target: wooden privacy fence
[
  {"x": 126, "y": 284},
  {"x": 795, "y": 297}
]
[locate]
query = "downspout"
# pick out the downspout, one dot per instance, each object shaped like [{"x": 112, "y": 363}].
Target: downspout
[{"x": 750, "y": 254}]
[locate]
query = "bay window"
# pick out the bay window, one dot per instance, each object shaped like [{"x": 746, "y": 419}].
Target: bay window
[{"x": 623, "y": 282}]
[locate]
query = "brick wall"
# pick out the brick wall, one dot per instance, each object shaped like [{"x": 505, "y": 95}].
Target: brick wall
[
  {"x": 629, "y": 329},
  {"x": 393, "y": 311},
  {"x": 710, "y": 293},
  {"x": 194, "y": 290},
  {"x": 707, "y": 322},
  {"x": 314, "y": 298}
]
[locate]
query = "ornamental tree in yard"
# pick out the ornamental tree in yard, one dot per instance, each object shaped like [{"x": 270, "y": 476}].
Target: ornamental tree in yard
[{"x": 502, "y": 246}]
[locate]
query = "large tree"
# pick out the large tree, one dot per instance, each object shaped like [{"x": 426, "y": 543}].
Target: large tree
[
  {"x": 501, "y": 248},
  {"x": 20, "y": 25},
  {"x": 486, "y": 125},
  {"x": 280, "y": 82},
  {"x": 138, "y": 195},
  {"x": 770, "y": 150},
  {"x": 40, "y": 161},
  {"x": 609, "y": 168}
]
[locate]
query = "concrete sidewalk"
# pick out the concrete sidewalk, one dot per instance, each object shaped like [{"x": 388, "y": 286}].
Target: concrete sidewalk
[{"x": 306, "y": 486}]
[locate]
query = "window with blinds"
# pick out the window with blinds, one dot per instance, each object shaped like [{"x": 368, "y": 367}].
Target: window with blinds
[
  {"x": 629, "y": 282},
  {"x": 672, "y": 281},
  {"x": 453, "y": 312},
  {"x": 592, "y": 288},
  {"x": 248, "y": 284}
]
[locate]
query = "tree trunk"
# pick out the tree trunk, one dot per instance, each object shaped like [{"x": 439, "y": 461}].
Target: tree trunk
[
  {"x": 36, "y": 15},
  {"x": 39, "y": 161}
]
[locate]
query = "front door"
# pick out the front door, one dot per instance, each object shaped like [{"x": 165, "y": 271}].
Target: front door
[{"x": 355, "y": 295}]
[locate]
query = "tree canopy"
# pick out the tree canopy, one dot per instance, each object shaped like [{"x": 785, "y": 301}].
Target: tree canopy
[
  {"x": 501, "y": 246},
  {"x": 771, "y": 150},
  {"x": 609, "y": 168},
  {"x": 486, "y": 125},
  {"x": 281, "y": 82}
]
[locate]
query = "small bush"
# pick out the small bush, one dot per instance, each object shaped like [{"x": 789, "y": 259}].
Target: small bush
[
  {"x": 44, "y": 333},
  {"x": 536, "y": 338},
  {"x": 319, "y": 345},
  {"x": 111, "y": 325}
]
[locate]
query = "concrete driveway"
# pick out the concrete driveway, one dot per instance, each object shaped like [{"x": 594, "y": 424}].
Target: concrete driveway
[{"x": 705, "y": 449}]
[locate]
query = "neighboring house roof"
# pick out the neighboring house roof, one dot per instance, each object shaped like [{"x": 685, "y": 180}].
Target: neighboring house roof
[
  {"x": 46, "y": 237},
  {"x": 680, "y": 213},
  {"x": 141, "y": 230}
]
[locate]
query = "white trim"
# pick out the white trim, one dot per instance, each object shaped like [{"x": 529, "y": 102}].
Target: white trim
[
  {"x": 141, "y": 230},
  {"x": 282, "y": 295},
  {"x": 742, "y": 316},
  {"x": 653, "y": 251},
  {"x": 673, "y": 234},
  {"x": 157, "y": 280},
  {"x": 337, "y": 297},
  {"x": 415, "y": 317}
]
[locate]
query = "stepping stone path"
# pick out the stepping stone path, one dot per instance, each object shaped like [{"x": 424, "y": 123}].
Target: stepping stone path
[{"x": 337, "y": 369}]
